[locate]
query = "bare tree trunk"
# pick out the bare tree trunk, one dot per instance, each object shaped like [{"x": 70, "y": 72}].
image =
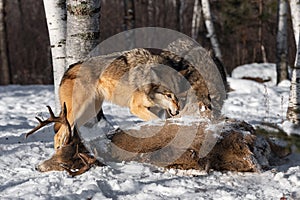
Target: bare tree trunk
[
  {"x": 164, "y": 13},
  {"x": 180, "y": 6},
  {"x": 293, "y": 112},
  {"x": 4, "y": 63},
  {"x": 56, "y": 20},
  {"x": 83, "y": 28},
  {"x": 181, "y": 14},
  {"x": 196, "y": 19},
  {"x": 210, "y": 28},
  {"x": 150, "y": 9},
  {"x": 157, "y": 12},
  {"x": 282, "y": 48},
  {"x": 129, "y": 22},
  {"x": 129, "y": 18},
  {"x": 260, "y": 35}
]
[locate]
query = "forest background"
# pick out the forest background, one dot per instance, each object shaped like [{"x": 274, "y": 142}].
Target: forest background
[{"x": 242, "y": 28}]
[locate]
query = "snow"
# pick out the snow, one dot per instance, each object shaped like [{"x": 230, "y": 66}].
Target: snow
[
  {"x": 257, "y": 70},
  {"x": 290, "y": 128},
  {"x": 249, "y": 100},
  {"x": 257, "y": 102}
]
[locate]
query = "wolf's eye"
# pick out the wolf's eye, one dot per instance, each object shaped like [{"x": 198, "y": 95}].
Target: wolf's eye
[{"x": 169, "y": 96}]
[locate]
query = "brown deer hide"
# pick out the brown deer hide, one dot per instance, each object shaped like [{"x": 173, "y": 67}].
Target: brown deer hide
[
  {"x": 226, "y": 146},
  {"x": 232, "y": 146}
]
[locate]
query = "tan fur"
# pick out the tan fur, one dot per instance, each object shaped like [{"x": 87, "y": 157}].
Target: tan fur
[{"x": 122, "y": 79}]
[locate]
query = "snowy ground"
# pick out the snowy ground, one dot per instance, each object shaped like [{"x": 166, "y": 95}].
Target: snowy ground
[{"x": 251, "y": 101}]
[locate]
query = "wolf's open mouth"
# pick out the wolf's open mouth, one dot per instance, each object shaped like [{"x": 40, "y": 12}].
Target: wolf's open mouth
[{"x": 171, "y": 114}]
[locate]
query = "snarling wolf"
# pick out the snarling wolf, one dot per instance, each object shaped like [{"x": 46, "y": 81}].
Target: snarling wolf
[
  {"x": 132, "y": 79},
  {"x": 140, "y": 79},
  {"x": 148, "y": 81}
]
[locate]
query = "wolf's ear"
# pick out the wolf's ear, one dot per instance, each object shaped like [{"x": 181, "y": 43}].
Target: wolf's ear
[
  {"x": 155, "y": 86},
  {"x": 153, "y": 89}
]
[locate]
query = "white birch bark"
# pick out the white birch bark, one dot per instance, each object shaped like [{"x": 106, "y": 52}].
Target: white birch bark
[
  {"x": 293, "y": 112},
  {"x": 210, "y": 28},
  {"x": 295, "y": 11},
  {"x": 83, "y": 28},
  {"x": 56, "y": 20},
  {"x": 196, "y": 19},
  {"x": 282, "y": 53}
]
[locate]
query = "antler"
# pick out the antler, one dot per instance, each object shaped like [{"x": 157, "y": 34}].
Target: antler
[{"x": 61, "y": 119}]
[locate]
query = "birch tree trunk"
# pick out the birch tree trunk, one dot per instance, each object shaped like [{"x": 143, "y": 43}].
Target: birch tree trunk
[
  {"x": 4, "y": 64},
  {"x": 56, "y": 20},
  {"x": 83, "y": 28},
  {"x": 196, "y": 19},
  {"x": 282, "y": 48},
  {"x": 295, "y": 11},
  {"x": 210, "y": 28},
  {"x": 293, "y": 112}
]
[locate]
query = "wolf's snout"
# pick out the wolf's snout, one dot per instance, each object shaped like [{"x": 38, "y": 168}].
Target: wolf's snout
[{"x": 174, "y": 111}]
